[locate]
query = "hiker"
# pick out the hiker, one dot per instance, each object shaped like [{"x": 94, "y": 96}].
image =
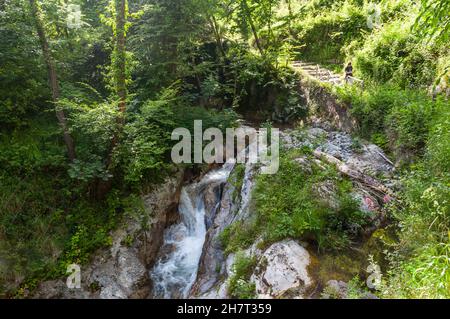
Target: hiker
[{"x": 349, "y": 71}]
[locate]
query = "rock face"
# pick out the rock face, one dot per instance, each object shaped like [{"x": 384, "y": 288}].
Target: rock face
[
  {"x": 326, "y": 105},
  {"x": 283, "y": 271},
  {"x": 122, "y": 270},
  {"x": 367, "y": 158},
  {"x": 340, "y": 290},
  {"x": 214, "y": 266},
  {"x": 212, "y": 196},
  {"x": 210, "y": 267}
]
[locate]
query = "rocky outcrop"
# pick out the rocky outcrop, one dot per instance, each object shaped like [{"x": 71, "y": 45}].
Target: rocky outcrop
[
  {"x": 357, "y": 154},
  {"x": 214, "y": 266},
  {"x": 211, "y": 263},
  {"x": 282, "y": 271},
  {"x": 122, "y": 270},
  {"x": 323, "y": 104}
]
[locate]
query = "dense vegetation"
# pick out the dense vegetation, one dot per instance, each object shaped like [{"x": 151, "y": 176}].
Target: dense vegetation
[
  {"x": 404, "y": 60},
  {"x": 91, "y": 91},
  {"x": 403, "y": 57}
]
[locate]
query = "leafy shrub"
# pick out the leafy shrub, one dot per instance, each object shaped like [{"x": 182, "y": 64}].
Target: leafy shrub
[
  {"x": 267, "y": 89},
  {"x": 147, "y": 144},
  {"x": 371, "y": 106},
  {"x": 239, "y": 285},
  {"x": 23, "y": 89},
  {"x": 438, "y": 145},
  {"x": 408, "y": 124},
  {"x": 324, "y": 32},
  {"x": 35, "y": 148},
  {"x": 404, "y": 117},
  {"x": 425, "y": 276},
  {"x": 394, "y": 54},
  {"x": 421, "y": 260}
]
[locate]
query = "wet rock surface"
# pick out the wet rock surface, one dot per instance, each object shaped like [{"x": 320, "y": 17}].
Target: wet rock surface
[{"x": 214, "y": 266}]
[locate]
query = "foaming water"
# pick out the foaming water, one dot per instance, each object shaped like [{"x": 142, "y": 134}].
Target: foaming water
[{"x": 174, "y": 274}]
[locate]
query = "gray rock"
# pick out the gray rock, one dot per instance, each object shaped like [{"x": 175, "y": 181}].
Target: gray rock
[
  {"x": 335, "y": 290},
  {"x": 282, "y": 271}
]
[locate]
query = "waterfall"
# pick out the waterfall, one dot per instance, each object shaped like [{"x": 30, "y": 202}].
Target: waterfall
[{"x": 175, "y": 272}]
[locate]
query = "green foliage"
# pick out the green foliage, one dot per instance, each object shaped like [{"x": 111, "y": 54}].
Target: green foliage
[
  {"x": 386, "y": 51},
  {"x": 325, "y": 31},
  {"x": 289, "y": 206},
  {"x": 221, "y": 54},
  {"x": 92, "y": 127},
  {"x": 355, "y": 289},
  {"x": 433, "y": 21},
  {"x": 408, "y": 125},
  {"x": 425, "y": 276},
  {"x": 420, "y": 262},
  {"x": 237, "y": 180},
  {"x": 267, "y": 89},
  {"x": 45, "y": 227},
  {"x": 146, "y": 150},
  {"x": 415, "y": 125},
  {"x": 438, "y": 148},
  {"x": 22, "y": 74},
  {"x": 402, "y": 117},
  {"x": 35, "y": 148},
  {"x": 239, "y": 285},
  {"x": 239, "y": 235},
  {"x": 394, "y": 54}
]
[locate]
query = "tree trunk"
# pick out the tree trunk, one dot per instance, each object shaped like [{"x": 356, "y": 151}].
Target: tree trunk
[
  {"x": 290, "y": 17},
  {"x": 120, "y": 67},
  {"x": 119, "y": 71},
  {"x": 219, "y": 42},
  {"x": 52, "y": 78},
  {"x": 120, "y": 76},
  {"x": 252, "y": 26},
  {"x": 366, "y": 180}
]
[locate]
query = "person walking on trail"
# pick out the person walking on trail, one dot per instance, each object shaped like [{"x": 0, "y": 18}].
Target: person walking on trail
[{"x": 349, "y": 71}]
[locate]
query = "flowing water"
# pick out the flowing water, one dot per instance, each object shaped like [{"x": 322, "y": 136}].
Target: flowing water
[{"x": 175, "y": 272}]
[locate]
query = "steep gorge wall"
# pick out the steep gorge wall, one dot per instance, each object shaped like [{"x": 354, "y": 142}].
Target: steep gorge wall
[
  {"x": 323, "y": 104},
  {"x": 122, "y": 270}
]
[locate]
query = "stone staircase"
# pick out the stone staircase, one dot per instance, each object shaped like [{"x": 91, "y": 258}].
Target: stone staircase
[{"x": 323, "y": 75}]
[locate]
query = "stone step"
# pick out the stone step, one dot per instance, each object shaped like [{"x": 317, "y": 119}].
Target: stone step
[{"x": 323, "y": 75}]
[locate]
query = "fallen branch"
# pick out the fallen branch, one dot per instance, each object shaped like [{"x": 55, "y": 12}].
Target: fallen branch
[
  {"x": 366, "y": 180},
  {"x": 385, "y": 158}
]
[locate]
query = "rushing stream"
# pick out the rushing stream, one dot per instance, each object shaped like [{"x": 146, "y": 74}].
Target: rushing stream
[{"x": 175, "y": 272}]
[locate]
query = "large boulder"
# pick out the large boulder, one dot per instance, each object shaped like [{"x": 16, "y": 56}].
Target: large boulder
[{"x": 283, "y": 271}]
